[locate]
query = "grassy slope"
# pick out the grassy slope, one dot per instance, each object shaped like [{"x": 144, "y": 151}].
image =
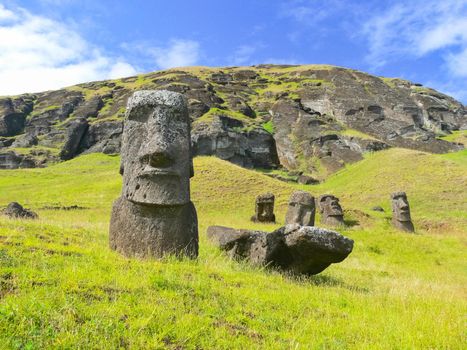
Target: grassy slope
[{"x": 60, "y": 286}]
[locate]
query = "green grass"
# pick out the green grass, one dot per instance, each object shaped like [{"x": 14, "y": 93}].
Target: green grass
[
  {"x": 62, "y": 287},
  {"x": 457, "y": 136},
  {"x": 269, "y": 127},
  {"x": 357, "y": 134}
]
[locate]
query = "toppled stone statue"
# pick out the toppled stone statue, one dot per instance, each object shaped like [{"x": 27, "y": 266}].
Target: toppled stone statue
[
  {"x": 154, "y": 215},
  {"x": 330, "y": 210},
  {"x": 401, "y": 212},
  {"x": 15, "y": 210},
  {"x": 264, "y": 208},
  {"x": 301, "y": 209},
  {"x": 294, "y": 248}
]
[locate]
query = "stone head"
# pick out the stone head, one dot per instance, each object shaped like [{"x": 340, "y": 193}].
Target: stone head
[
  {"x": 329, "y": 206},
  {"x": 264, "y": 206},
  {"x": 156, "y": 149},
  {"x": 301, "y": 209},
  {"x": 400, "y": 207}
]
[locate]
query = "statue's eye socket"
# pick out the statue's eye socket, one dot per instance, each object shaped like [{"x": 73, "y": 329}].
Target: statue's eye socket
[{"x": 140, "y": 113}]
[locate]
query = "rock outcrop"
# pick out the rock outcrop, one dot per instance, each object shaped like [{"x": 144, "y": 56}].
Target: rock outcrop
[{"x": 313, "y": 119}]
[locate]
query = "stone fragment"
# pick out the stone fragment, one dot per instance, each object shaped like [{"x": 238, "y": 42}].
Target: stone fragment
[
  {"x": 15, "y": 210},
  {"x": 301, "y": 209},
  {"x": 264, "y": 208},
  {"x": 307, "y": 180},
  {"x": 401, "y": 212},
  {"x": 377, "y": 208},
  {"x": 330, "y": 210},
  {"x": 154, "y": 215}
]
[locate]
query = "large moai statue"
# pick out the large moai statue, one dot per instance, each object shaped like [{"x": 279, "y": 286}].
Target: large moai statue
[
  {"x": 330, "y": 210},
  {"x": 264, "y": 208},
  {"x": 154, "y": 215},
  {"x": 301, "y": 209},
  {"x": 401, "y": 212}
]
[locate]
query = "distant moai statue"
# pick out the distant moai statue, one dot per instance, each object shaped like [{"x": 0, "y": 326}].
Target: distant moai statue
[
  {"x": 330, "y": 210},
  {"x": 401, "y": 212},
  {"x": 154, "y": 215},
  {"x": 264, "y": 208},
  {"x": 301, "y": 209}
]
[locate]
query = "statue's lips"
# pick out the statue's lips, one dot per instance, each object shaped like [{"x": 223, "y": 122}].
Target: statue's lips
[{"x": 155, "y": 172}]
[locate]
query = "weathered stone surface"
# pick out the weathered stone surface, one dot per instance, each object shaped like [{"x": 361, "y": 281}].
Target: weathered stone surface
[
  {"x": 105, "y": 137},
  {"x": 138, "y": 230},
  {"x": 330, "y": 210},
  {"x": 313, "y": 249},
  {"x": 401, "y": 212},
  {"x": 15, "y": 210},
  {"x": 154, "y": 216},
  {"x": 13, "y": 113},
  {"x": 294, "y": 248},
  {"x": 239, "y": 105},
  {"x": 311, "y": 114},
  {"x": 261, "y": 248},
  {"x": 25, "y": 140},
  {"x": 12, "y": 160},
  {"x": 264, "y": 208},
  {"x": 74, "y": 134},
  {"x": 301, "y": 209},
  {"x": 307, "y": 180},
  {"x": 224, "y": 138},
  {"x": 377, "y": 208}
]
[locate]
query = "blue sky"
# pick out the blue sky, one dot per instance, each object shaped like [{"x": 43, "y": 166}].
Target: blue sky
[{"x": 49, "y": 44}]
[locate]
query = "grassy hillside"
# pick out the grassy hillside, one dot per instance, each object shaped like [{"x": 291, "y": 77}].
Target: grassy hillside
[{"x": 61, "y": 287}]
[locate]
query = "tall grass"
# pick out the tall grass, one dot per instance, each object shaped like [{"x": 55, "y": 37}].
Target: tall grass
[{"x": 62, "y": 287}]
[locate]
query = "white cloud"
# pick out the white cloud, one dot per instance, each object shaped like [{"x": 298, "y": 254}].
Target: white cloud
[
  {"x": 178, "y": 53},
  {"x": 6, "y": 14},
  {"x": 121, "y": 69},
  {"x": 37, "y": 53},
  {"x": 418, "y": 28},
  {"x": 242, "y": 55}
]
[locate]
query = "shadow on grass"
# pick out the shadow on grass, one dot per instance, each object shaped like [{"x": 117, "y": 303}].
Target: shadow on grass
[
  {"x": 351, "y": 222},
  {"x": 324, "y": 281}
]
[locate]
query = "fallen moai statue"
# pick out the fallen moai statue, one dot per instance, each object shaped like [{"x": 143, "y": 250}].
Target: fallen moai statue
[
  {"x": 295, "y": 248},
  {"x": 15, "y": 210}
]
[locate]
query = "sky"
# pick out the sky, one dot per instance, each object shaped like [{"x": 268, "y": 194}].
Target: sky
[{"x": 49, "y": 44}]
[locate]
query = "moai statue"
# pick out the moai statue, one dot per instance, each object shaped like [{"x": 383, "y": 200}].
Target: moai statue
[
  {"x": 301, "y": 209},
  {"x": 401, "y": 212},
  {"x": 154, "y": 215},
  {"x": 330, "y": 210},
  {"x": 264, "y": 209}
]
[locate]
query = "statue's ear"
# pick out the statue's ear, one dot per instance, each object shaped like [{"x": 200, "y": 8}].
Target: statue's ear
[{"x": 192, "y": 168}]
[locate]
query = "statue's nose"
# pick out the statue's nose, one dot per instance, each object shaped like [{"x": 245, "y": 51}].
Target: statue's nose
[{"x": 159, "y": 159}]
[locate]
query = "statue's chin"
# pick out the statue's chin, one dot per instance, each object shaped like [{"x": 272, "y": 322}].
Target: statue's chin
[
  {"x": 404, "y": 218},
  {"x": 165, "y": 192}
]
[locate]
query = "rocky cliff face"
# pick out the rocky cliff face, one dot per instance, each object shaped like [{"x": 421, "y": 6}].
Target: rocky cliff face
[{"x": 311, "y": 119}]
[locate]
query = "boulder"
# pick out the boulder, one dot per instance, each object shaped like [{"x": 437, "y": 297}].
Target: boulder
[{"x": 15, "y": 210}]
